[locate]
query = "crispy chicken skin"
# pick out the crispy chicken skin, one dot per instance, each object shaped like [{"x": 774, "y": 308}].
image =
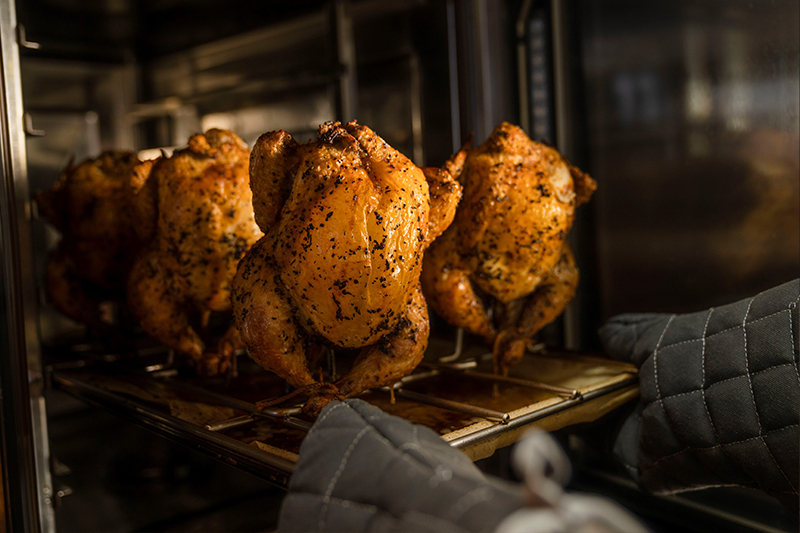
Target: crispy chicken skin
[
  {"x": 508, "y": 242},
  {"x": 196, "y": 210},
  {"x": 89, "y": 205},
  {"x": 346, "y": 220}
]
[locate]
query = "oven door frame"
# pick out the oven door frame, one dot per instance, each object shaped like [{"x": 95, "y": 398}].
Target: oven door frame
[{"x": 27, "y": 491}]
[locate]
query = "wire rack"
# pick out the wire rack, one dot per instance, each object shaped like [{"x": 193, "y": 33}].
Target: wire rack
[{"x": 456, "y": 396}]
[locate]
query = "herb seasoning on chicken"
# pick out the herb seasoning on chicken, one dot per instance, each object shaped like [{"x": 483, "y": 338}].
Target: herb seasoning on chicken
[
  {"x": 90, "y": 206},
  {"x": 196, "y": 210},
  {"x": 508, "y": 242},
  {"x": 346, "y": 220}
]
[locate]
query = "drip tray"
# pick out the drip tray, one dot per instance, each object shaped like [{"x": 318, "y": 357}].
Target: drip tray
[{"x": 464, "y": 402}]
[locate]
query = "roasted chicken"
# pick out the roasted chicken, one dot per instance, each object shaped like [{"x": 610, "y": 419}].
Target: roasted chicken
[
  {"x": 508, "y": 243},
  {"x": 90, "y": 206},
  {"x": 195, "y": 209},
  {"x": 346, "y": 220}
]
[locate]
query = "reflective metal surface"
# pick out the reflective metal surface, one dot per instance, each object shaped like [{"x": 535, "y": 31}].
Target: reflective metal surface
[
  {"x": 521, "y": 421},
  {"x": 270, "y": 467},
  {"x": 693, "y": 134},
  {"x": 24, "y": 431},
  {"x": 469, "y": 408},
  {"x": 472, "y": 410}
]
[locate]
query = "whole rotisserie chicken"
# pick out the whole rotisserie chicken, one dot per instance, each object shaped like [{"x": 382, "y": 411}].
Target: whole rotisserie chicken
[
  {"x": 90, "y": 206},
  {"x": 508, "y": 243},
  {"x": 346, "y": 220},
  {"x": 196, "y": 211}
]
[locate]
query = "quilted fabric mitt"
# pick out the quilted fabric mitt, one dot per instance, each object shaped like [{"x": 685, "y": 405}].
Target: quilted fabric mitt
[
  {"x": 720, "y": 391},
  {"x": 363, "y": 470}
]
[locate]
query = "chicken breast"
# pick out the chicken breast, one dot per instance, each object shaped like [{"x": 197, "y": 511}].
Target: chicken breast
[
  {"x": 196, "y": 210},
  {"x": 90, "y": 206},
  {"x": 347, "y": 219},
  {"x": 508, "y": 241}
]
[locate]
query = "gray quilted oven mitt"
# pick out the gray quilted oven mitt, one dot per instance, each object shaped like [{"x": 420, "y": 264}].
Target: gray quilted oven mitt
[
  {"x": 361, "y": 469},
  {"x": 720, "y": 391}
]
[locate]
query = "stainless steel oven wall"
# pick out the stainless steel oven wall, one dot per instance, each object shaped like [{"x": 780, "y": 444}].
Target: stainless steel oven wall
[
  {"x": 281, "y": 77},
  {"x": 78, "y": 109},
  {"x": 382, "y": 63},
  {"x": 25, "y": 470},
  {"x": 693, "y": 136}
]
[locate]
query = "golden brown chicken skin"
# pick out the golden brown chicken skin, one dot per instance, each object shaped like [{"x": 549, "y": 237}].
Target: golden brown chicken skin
[
  {"x": 346, "y": 219},
  {"x": 196, "y": 209},
  {"x": 90, "y": 206},
  {"x": 508, "y": 242}
]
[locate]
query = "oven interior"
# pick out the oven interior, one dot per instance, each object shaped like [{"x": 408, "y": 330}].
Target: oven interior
[{"x": 686, "y": 114}]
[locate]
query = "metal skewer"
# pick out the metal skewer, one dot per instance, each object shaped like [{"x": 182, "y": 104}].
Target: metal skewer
[
  {"x": 572, "y": 394},
  {"x": 331, "y": 359},
  {"x": 231, "y": 423},
  {"x": 452, "y": 405},
  {"x": 458, "y": 348},
  {"x": 282, "y": 415}
]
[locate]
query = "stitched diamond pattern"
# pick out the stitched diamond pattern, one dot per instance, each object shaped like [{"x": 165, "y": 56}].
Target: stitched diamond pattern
[
  {"x": 720, "y": 394},
  {"x": 361, "y": 469}
]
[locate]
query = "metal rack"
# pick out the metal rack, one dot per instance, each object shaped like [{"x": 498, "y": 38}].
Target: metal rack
[{"x": 225, "y": 421}]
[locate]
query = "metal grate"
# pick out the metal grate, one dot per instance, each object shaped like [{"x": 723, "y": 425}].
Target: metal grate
[{"x": 469, "y": 407}]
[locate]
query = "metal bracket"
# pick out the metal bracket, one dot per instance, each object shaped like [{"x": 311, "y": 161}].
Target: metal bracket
[
  {"x": 59, "y": 494},
  {"x": 27, "y": 126},
  {"x": 23, "y": 41}
]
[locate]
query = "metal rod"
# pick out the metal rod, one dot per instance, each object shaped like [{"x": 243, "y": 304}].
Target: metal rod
[
  {"x": 522, "y": 67},
  {"x": 565, "y": 122},
  {"x": 22, "y": 38},
  {"x": 271, "y": 467},
  {"x": 284, "y": 416},
  {"x": 528, "y": 418},
  {"x": 27, "y": 126},
  {"x": 231, "y": 423},
  {"x": 561, "y": 391},
  {"x": 416, "y": 109},
  {"x": 458, "y": 348},
  {"x": 411, "y": 378},
  {"x": 452, "y": 64},
  {"x": 346, "y": 57},
  {"x": 452, "y": 405},
  {"x": 331, "y": 357}
]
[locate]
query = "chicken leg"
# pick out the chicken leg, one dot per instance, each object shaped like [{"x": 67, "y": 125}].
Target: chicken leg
[{"x": 542, "y": 307}]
